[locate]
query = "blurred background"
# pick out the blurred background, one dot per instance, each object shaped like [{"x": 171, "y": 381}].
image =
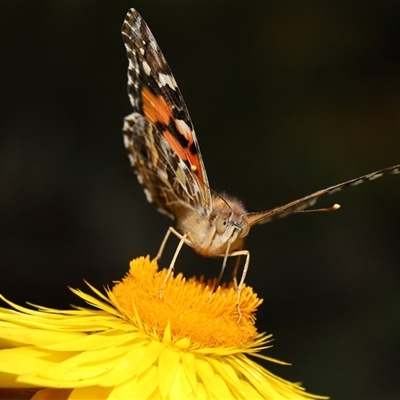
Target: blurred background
[{"x": 286, "y": 97}]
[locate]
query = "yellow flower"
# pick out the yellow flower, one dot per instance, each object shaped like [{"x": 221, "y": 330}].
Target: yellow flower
[{"x": 136, "y": 344}]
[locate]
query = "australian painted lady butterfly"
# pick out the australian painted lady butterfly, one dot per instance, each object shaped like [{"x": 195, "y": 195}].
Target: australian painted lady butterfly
[{"x": 164, "y": 152}]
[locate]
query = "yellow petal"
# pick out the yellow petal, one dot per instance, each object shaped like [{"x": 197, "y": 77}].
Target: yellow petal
[
  {"x": 207, "y": 376},
  {"x": 39, "y": 381},
  {"x": 21, "y": 361},
  {"x": 151, "y": 355},
  {"x": 138, "y": 388},
  {"x": 69, "y": 372},
  {"x": 37, "y": 337},
  {"x": 181, "y": 387},
  {"x": 223, "y": 390},
  {"x": 201, "y": 392},
  {"x": 167, "y": 367},
  {"x": 247, "y": 391},
  {"x": 189, "y": 364},
  {"x": 91, "y": 392},
  {"x": 225, "y": 370},
  {"x": 91, "y": 342},
  {"x": 52, "y": 394},
  {"x": 126, "y": 368}
]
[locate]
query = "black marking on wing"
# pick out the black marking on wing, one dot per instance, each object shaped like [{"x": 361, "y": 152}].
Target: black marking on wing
[{"x": 193, "y": 148}]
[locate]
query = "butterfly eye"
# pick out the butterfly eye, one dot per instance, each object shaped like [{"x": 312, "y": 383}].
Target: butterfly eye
[
  {"x": 221, "y": 224},
  {"x": 244, "y": 229}
]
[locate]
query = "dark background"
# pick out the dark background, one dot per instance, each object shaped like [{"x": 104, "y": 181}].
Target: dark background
[{"x": 286, "y": 98}]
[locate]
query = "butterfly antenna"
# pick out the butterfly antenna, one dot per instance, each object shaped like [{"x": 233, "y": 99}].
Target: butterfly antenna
[{"x": 334, "y": 207}]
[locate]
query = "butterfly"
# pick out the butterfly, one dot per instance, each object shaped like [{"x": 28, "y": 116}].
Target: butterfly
[{"x": 164, "y": 152}]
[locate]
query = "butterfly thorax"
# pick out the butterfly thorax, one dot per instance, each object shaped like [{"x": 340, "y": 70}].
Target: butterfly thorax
[{"x": 223, "y": 230}]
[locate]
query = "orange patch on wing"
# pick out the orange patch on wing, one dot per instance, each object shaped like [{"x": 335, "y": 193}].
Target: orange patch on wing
[
  {"x": 155, "y": 108},
  {"x": 195, "y": 166},
  {"x": 193, "y": 159},
  {"x": 185, "y": 155},
  {"x": 179, "y": 150}
]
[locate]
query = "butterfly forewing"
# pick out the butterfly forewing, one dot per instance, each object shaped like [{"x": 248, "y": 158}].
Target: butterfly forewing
[{"x": 159, "y": 135}]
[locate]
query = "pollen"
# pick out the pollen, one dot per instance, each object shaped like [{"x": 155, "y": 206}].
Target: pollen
[{"x": 190, "y": 307}]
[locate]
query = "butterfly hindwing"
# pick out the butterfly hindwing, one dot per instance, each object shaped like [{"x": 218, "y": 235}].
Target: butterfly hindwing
[{"x": 167, "y": 180}]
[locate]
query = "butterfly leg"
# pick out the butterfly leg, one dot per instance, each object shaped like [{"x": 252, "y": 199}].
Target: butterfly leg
[
  {"x": 182, "y": 240},
  {"x": 239, "y": 253},
  {"x": 177, "y": 251},
  {"x": 226, "y": 255},
  {"x": 163, "y": 243},
  {"x": 220, "y": 275},
  {"x": 235, "y": 270}
]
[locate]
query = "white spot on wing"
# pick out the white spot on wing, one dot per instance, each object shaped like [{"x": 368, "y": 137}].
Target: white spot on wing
[
  {"x": 146, "y": 68},
  {"x": 167, "y": 80},
  {"x": 375, "y": 176},
  {"x": 132, "y": 160},
  {"x": 162, "y": 174},
  {"x": 127, "y": 141},
  {"x": 355, "y": 183},
  {"x": 182, "y": 127},
  {"x": 148, "y": 195},
  {"x": 153, "y": 45},
  {"x": 140, "y": 179},
  {"x": 179, "y": 173}
]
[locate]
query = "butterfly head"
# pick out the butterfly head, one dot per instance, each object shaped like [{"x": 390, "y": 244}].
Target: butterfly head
[{"x": 222, "y": 231}]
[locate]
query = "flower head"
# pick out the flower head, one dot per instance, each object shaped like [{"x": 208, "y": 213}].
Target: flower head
[{"x": 136, "y": 344}]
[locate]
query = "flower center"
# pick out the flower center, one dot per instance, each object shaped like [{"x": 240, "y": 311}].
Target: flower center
[{"x": 190, "y": 307}]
